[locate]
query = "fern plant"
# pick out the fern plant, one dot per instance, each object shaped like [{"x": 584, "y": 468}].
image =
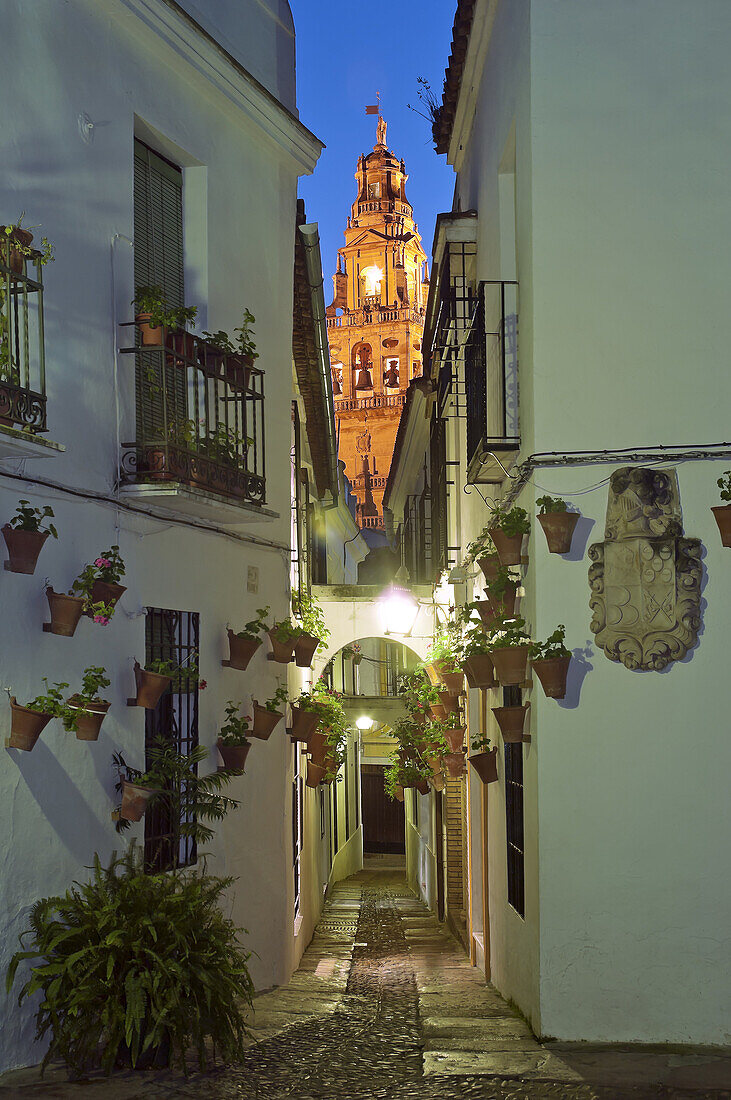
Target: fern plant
[{"x": 129, "y": 961}]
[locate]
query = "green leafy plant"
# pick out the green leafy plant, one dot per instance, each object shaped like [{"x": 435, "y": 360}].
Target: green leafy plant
[
  {"x": 278, "y": 699},
  {"x": 477, "y": 641},
  {"x": 509, "y": 632},
  {"x": 285, "y": 630},
  {"x": 131, "y": 960},
  {"x": 256, "y": 626},
  {"x": 513, "y": 521},
  {"x": 33, "y": 519},
  {"x": 152, "y": 300},
  {"x": 53, "y": 703},
  {"x": 447, "y": 648},
  {"x": 417, "y": 691},
  {"x": 226, "y": 445},
  {"x": 236, "y": 727},
  {"x": 480, "y": 743},
  {"x": 43, "y": 255},
  {"x": 548, "y": 505},
  {"x": 724, "y": 484},
  {"x": 108, "y": 567},
  {"x": 552, "y": 647},
  {"x": 482, "y": 547},
  {"x": 243, "y": 344},
  {"x": 161, "y": 668},
  {"x": 498, "y": 585},
  {"x": 307, "y": 609},
  {"x": 93, "y": 681}
]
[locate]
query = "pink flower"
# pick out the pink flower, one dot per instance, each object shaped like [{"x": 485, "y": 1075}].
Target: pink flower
[
  {"x": 203, "y": 684},
  {"x": 102, "y": 563},
  {"x": 101, "y": 619}
]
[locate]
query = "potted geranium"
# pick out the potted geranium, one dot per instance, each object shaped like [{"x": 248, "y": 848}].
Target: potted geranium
[
  {"x": 511, "y": 721},
  {"x": 243, "y": 644},
  {"x": 153, "y": 315},
  {"x": 25, "y": 535},
  {"x": 507, "y": 528},
  {"x": 509, "y": 649},
  {"x": 447, "y": 740},
  {"x": 66, "y": 610},
  {"x": 90, "y": 710},
  {"x": 268, "y": 716},
  {"x": 283, "y": 636},
  {"x": 483, "y": 759},
  {"x": 15, "y": 247},
  {"x": 557, "y": 522},
  {"x": 501, "y": 591},
  {"x": 152, "y": 682},
  {"x": 445, "y": 655},
  {"x": 233, "y": 739},
  {"x": 722, "y": 512},
  {"x": 550, "y": 661},
  {"x": 306, "y": 715},
  {"x": 99, "y": 584},
  {"x": 29, "y": 721},
  {"x": 483, "y": 551},
  {"x": 477, "y": 661},
  {"x": 314, "y": 632}
]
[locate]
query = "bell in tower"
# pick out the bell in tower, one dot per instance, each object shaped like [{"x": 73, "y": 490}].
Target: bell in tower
[
  {"x": 390, "y": 375},
  {"x": 364, "y": 380},
  {"x": 362, "y": 363}
]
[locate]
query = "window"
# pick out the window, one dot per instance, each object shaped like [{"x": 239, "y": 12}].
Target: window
[
  {"x": 297, "y": 827},
  {"x": 171, "y": 636},
  {"x": 438, "y": 491},
  {"x": 514, "y": 812}
]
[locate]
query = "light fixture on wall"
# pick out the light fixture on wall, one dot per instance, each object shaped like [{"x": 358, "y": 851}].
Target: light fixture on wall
[
  {"x": 364, "y": 722},
  {"x": 398, "y": 609}
]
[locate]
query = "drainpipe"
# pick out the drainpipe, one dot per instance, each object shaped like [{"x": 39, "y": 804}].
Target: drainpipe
[{"x": 313, "y": 261}]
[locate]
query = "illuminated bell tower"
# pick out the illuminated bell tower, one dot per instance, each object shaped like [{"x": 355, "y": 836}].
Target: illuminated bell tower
[{"x": 375, "y": 323}]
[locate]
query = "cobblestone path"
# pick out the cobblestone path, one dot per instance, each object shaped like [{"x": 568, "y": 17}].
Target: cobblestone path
[{"x": 385, "y": 1006}]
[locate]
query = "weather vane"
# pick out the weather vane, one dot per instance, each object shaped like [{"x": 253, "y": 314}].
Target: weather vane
[{"x": 375, "y": 109}]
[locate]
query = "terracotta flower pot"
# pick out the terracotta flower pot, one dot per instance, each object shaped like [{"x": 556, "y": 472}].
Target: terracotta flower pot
[
  {"x": 304, "y": 724},
  {"x": 135, "y": 800},
  {"x": 23, "y": 548},
  {"x": 357, "y": 658},
  {"x": 15, "y": 257},
  {"x": 559, "y": 530},
  {"x": 485, "y": 764},
  {"x": 479, "y": 670},
  {"x": 422, "y": 786},
  {"x": 419, "y": 717},
  {"x": 151, "y": 687},
  {"x": 26, "y": 726},
  {"x": 437, "y": 782},
  {"x": 317, "y": 747},
  {"x": 281, "y": 651},
  {"x": 455, "y": 738},
  {"x": 511, "y": 721},
  {"x": 88, "y": 725},
  {"x": 65, "y": 613},
  {"x": 399, "y": 794},
  {"x": 315, "y": 774},
  {"x": 435, "y": 763},
  {"x": 437, "y": 710},
  {"x": 505, "y": 604},
  {"x": 241, "y": 650},
  {"x": 237, "y": 369},
  {"x": 489, "y": 566},
  {"x": 552, "y": 672},
  {"x": 453, "y": 681},
  {"x": 507, "y": 546},
  {"x": 150, "y": 335},
  {"x": 304, "y": 649},
  {"x": 449, "y": 702},
  {"x": 511, "y": 663},
  {"x": 486, "y": 611},
  {"x": 264, "y": 722},
  {"x": 105, "y": 592},
  {"x": 722, "y": 514},
  {"x": 455, "y": 763},
  {"x": 233, "y": 756}
]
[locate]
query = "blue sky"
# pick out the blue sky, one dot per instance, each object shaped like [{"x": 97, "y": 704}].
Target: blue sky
[{"x": 346, "y": 52}]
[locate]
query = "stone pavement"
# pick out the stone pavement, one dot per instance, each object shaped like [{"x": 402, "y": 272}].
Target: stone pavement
[{"x": 386, "y": 1005}]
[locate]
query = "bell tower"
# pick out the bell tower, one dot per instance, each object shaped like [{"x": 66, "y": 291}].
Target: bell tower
[{"x": 375, "y": 323}]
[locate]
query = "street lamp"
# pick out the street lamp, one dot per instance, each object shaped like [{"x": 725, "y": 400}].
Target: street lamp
[
  {"x": 397, "y": 608},
  {"x": 364, "y": 722}
]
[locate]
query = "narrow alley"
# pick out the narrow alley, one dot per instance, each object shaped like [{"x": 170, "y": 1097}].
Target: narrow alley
[{"x": 386, "y": 1005}]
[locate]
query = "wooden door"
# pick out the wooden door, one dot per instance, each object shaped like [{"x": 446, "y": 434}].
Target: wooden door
[{"x": 383, "y": 819}]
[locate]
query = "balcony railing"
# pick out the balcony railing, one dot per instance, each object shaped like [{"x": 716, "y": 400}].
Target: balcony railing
[
  {"x": 379, "y": 401},
  {"x": 377, "y": 316},
  {"x": 22, "y": 361},
  {"x": 372, "y": 523},
  {"x": 199, "y": 419},
  {"x": 491, "y": 381}
]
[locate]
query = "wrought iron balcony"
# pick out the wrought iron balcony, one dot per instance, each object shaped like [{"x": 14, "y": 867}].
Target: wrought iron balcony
[
  {"x": 491, "y": 381},
  {"x": 22, "y": 362},
  {"x": 199, "y": 419}
]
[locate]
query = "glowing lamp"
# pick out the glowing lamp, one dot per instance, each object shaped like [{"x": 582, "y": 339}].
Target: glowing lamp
[
  {"x": 372, "y": 277},
  {"x": 364, "y": 722},
  {"x": 397, "y": 608}
]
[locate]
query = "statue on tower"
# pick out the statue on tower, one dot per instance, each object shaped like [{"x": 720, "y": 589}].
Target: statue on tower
[{"x": 381, "y": 131}]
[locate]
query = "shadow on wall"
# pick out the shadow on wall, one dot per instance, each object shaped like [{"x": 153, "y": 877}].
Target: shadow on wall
[
  {"x": 578, "y": 669},
  {"x": 379, "y": 566}
]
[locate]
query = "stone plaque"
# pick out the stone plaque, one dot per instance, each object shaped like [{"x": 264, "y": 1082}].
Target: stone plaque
[{"x": 645, "y": 578}]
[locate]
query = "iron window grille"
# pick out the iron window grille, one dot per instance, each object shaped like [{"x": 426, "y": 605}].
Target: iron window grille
[
  {"x": 171, "y": 636},
  {"x": 22, "y": 357},
  {"x": 514, "y": 824},
  {"x": 297, "y": 828},
  {"x": 491, "y": 380},
  {"x": 438, "y": 494}
]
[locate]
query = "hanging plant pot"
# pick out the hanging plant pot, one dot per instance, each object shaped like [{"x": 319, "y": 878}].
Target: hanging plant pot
[
  {"x": 105, "y": 592},
  {"x": 422, "y": 786},
  {"x": 357, "y": 658},
  {"x": 449, "y": 702},
  {"x": 485, "y": 764},
  {"x": 135, "y": 800},
  {"x": 507, "y": 546},
  {"x": 552, "y": 672},
  {"x": 455, "y": 738},
  {"x": 315, "y": 774},
  {"x": 455, "y": 763},
  {"x": 511, "y": 663},
  {"x": 23, "y": 548},
  {"x": 317, "y": 747},
  {"x": 88, "y": 724},
  {"x": 26, "y": 726},
  {"x": 559, "y": 528},
  {"x": 241, "y": 650},
  {"x": 150, "y": 335},
  {"x": 233, "y": 756},
  {"x": 453, "y": 681},
  {"x": 511, "y": 721},
  {"x": 437, "y": 710},
  {"x": 479, "y": 670},
  {"x": 505, "y": 604},
  {"x": 419, "y": 717},
  {"x": 151, "y": 687},
  {"x": 281, "y": 651},
  {"x": 399, "y": 793},
  {"x": 264, "y": 722},
  {"x": 488, "y": 614},
  {"x": 238, "y": 370},
  {"x": 722, "y": 515},
  {"x": 304, "y": 649},
  {"x": 65, "y": 613},
  {"x": 437, "y": 782},
  {"x": 489, "y": 566},
  {"x": 304, "y": 724},
  {"x": 435, "y": 763}
]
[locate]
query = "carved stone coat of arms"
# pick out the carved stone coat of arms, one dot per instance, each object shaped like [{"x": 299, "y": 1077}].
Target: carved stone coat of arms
[{"x": 646, "y": 577}]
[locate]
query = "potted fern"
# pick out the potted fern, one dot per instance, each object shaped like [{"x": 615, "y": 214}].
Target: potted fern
[
  {"x": 25, "y": 535},
  {"x": 90, "y": 710},
  {"x": 243, "y": 644},
  {"x": 722, "y": 512},
  {"x": 314, "y": 632},
  {"x": 269, "y": 715},
  {"x": 509, "y": 649},
  {"x": 283, "y": 637},
  {"x": 550, "y": 661},
  {"x": 506, "y": 528},
  {"x": 557, "y": 522},
  {"x": 233, "y": 739},
  {"x": 29, "y": 721},
  {"x": 483, "y": 759}
]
